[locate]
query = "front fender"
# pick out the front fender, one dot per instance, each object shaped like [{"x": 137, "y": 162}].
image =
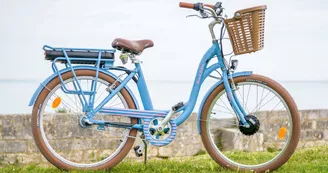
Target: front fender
[
  {"x": 234, "y": 75},
  {"x": 44, "y": 83}
]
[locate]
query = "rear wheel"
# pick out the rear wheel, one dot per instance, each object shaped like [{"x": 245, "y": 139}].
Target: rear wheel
[
  {"x": 64, "y": 140},
  {"x": 274, "y": 125}
]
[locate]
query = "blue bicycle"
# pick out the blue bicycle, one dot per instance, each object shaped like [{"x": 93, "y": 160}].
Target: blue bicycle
[{"x": 86, "y": 117}]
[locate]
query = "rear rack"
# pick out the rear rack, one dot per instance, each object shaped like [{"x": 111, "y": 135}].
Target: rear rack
[
  {"x": 46, "y": 47},
  {"x": 101, "y": 58},
  {"x": 80, "y": 55}
]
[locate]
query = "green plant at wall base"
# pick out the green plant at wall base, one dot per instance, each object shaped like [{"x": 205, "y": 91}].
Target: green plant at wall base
[
  {"x": 61, "y": 110},
  {"x": 2, "y": 160},
  {"x": 92, "y": 155}
]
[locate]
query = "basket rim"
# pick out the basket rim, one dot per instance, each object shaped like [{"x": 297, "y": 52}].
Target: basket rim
[
  {"x": 255, "y": 8},
  {"x": 260, "y": 7}
]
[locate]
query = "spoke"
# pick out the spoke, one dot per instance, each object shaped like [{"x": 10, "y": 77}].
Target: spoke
[
  {"x": 237, "y": 132},
  {"x": 262, "y": 95},
  {"x": 64, "y": 102},
  {"x": 116, "y": 104},
  {"x": 248, "y": 140},
  {"x": 87, "y": 85},
  {"x": 98, "y": 87},
  {"x": 257, "y": 95},
  {"x": 271, "y": 112},
  {"x": 229, "y": 139},
  {"x": 79, "y": 109},
  {"x": 113, "y": 100},
  {"x": 223, "y": 112},
  {"x": 257, "y": 135},
  {"x": 232, "y": 124},
  {"x": 249, "y": 88},
  {"x": 100, "y": 95},
  {"x": 243, "y": 98},
  {"x": 224, "y": 107},
  {"x": 66, "y": 105},
  {"x": 222, "y": 119},
  {"x": 75, "y": 100},
  {"x": 225, "y": 122},
  {"x": 262, "y": 101}
]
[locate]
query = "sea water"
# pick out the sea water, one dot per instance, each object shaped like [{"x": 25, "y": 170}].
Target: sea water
[{"x": 16, "y": 94}]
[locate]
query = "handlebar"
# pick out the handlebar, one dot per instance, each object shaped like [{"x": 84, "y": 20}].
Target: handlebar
[
  {"x": 214, "y": 11},
  {"x": 196, "y": 6},
  {"x": 207, "y": 11}
]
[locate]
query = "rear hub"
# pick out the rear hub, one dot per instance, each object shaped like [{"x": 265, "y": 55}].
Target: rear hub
[{"x": 84, "y": 122}]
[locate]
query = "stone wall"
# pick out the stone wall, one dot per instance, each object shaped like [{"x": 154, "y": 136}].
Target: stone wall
[
  {"x": 17, "y": 144},
  {"x": 314, "y": 131}
]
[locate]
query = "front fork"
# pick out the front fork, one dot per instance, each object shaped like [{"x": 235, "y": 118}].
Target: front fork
[{"x": 233, "y": 100}]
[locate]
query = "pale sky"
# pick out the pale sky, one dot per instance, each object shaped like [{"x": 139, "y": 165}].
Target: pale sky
[{"x": 295, "y": 37}]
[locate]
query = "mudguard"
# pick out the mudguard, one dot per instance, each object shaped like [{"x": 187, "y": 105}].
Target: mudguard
[
  {"x": 234, "y": 75},
  {"x": 37, "y": 92}
]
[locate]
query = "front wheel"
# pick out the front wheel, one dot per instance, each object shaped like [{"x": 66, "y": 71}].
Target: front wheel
[{"x": 274, "y": 128}]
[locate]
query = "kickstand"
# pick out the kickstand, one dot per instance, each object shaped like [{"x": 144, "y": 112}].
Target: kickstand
[{"x": 145, "y": 157}]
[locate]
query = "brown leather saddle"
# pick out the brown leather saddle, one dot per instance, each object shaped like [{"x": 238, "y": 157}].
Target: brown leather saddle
[{"x": 132, "y": 46}]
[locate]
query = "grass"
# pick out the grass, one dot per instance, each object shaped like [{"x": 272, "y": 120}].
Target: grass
[{"x": 305, "y": 160}]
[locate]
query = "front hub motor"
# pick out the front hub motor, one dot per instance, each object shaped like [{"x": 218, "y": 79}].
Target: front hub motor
[{"x": 254, "y": 125}]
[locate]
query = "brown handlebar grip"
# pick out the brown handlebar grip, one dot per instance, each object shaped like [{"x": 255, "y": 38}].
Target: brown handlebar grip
[
  {"x": 186, "y": 5},
  {"x": 208, "y": 5},
  {"x": 192, "y": 6}
]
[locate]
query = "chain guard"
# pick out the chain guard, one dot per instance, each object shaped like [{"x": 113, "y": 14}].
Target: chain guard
[{"x": 153, "y": 137}]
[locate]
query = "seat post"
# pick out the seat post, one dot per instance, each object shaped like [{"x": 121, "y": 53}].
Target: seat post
[{"x": 143, "y": 90}]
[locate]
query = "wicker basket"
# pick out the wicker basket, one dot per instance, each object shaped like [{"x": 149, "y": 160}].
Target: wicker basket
[{"x": 246, "y": 30}]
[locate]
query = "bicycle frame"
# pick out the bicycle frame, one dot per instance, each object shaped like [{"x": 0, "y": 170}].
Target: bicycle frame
[
  {"x": 202, "y": 73},
  {"x": 88, "y": 105}
]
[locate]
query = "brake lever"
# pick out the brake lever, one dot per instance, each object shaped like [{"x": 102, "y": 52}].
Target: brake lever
[
  {"x": 195, "y": 15},
  {"x": 203, "y": 14}
]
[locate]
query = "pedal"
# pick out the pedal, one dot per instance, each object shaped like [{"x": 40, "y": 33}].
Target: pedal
[
  {"x": 177, "y": 106},
  {"x": 101, "y": 128},
  {"x": 138, "y": 151},
  {"x": 140, "y": 148}
]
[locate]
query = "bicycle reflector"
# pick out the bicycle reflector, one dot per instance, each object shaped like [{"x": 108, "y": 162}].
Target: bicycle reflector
[
  {"x": 282, "y": 133},
  {"x": 56, "y": 103}
]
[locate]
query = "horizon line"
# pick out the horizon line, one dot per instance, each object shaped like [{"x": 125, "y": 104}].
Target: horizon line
[{"x": 151, "y": 80}]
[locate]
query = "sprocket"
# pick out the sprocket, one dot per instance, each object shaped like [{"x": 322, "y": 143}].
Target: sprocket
[{"x": 156, "y": 138}]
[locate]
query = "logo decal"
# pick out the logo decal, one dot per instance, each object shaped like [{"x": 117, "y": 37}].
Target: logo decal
[
  {"x": 38, "y": 117},
  {"x": 258, "y": 81},
  {"x": 230, "y": 97},
  {"x": 200, "y": 73}
]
